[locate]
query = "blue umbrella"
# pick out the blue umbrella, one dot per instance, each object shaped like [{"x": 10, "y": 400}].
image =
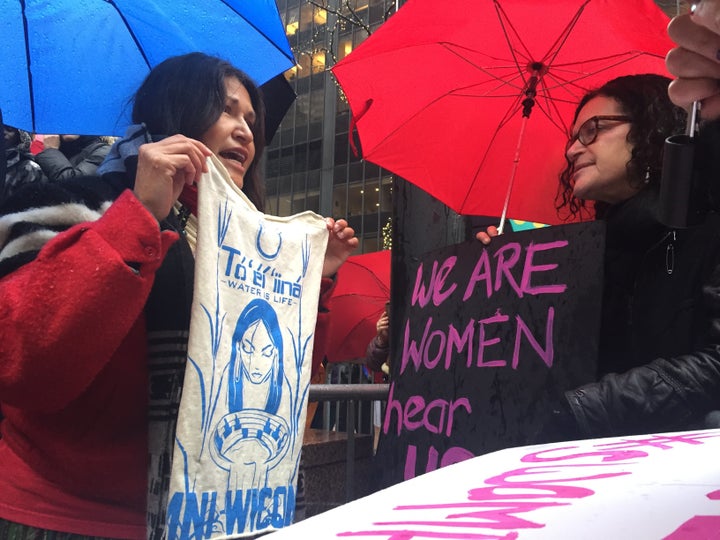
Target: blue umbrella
[{"x": 72, "y": 66}]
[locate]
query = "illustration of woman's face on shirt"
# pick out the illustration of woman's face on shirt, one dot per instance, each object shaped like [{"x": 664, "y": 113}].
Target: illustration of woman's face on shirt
[{"x": 257, "y": 353}]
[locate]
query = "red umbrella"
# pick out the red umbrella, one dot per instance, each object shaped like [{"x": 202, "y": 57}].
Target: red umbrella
[
  {"x": 360, "y": 295},
  {"x": 438, "y": 93}
]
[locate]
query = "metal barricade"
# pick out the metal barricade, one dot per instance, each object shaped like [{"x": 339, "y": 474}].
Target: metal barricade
[{"x": 350, "y": 394}]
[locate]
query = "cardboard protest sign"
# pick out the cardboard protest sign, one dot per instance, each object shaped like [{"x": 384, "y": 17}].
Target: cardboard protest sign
[
  {"x": 483, "y": 339},
  {"x": 243, "y": 408},
  {"x": 643, "y": 487}
]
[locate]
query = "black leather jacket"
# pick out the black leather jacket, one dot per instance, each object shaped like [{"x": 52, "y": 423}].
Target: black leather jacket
[
  {"x": 74, "y": 158},
  {"x": 659, "y": 358}
]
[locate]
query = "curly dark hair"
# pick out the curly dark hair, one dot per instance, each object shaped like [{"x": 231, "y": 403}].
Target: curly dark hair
[{"x": 654, "y": 118}]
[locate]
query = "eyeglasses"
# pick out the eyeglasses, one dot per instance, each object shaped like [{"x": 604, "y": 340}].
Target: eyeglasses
[{"x": 588, "y": 132}]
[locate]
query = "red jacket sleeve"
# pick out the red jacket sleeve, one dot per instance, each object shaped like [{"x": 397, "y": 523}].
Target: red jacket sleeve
[{"x": 64, "y": 314}]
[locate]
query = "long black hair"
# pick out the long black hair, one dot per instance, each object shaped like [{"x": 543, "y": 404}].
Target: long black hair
[
  {"x": 654, "y": 117},
  {"x": 186, "y": 95}
]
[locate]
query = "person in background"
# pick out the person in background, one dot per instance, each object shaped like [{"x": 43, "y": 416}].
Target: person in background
[
  {"x": 377, "y": 359},
  {"x": 20, "y": 165},
  {"x": 377, "y": 356},
  {"x": 659, "y": 342},
  {"x": 96, "y": 308},
  {"x": 65, "y": 156}
]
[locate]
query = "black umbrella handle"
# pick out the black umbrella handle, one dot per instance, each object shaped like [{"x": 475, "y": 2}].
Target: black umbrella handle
[
  {"x": 676, "y": 181},
  {"x": 678, "y": 204}
]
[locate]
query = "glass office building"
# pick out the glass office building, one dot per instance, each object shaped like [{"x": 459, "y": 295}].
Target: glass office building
[{"x": 310, "y": 164}]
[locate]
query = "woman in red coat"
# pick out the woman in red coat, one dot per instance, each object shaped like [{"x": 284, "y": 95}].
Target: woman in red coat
[{"x": 96, "y": 290}]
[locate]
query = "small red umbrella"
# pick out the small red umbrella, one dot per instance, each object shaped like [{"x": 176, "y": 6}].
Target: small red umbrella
[
  {"x": 359, "y": 298},
  {"x": 442, "y": 93}
]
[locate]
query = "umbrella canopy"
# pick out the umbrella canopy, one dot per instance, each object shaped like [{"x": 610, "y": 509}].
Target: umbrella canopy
[
  {"x": 358, "y": 301},
  {"x": 72, "y": 66},
  {"x": 440, "y": 93}
]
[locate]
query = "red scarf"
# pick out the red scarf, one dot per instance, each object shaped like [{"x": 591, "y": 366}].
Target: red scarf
[{"x": 189, "y": 198}]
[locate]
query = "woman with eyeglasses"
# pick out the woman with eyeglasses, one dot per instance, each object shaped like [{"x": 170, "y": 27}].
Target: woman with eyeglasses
[{"x": 659, "y": 343}]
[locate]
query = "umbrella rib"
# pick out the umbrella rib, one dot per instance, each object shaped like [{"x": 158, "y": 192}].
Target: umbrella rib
[
  {"x": 380, "y": 285},
  {"x": 502, "y": 82},
  {"x": 379, "y": 282},
  {"x": 545, "y": 96},
  {"x": 537, "y": 69},
  {"x": 373, "y": 275},
  {"x": 482, "y": 161},
  {"x": 130, "y": 31},
  {"x": 551, "y": 104},
  {"x": 563, "y": 37},
  {"x": 457, "y": 91},
  {"x": 27, "y": 63},
  {"x": 501, "y": 15},
  {"x": 567, "y": 83},
  {"x": 489, "y": 146},
  {"x": 513, "y": 108},
  {"x": 360, "y": 295},
  {"x": 355, "y": 327},
  {"x": 621, "y": 59},
  {"x": 368, "y": 154},
  {"x": 397, "y": 128},
  {"x": 259, "y": 31},
  {"x": 545, "y": 62},
  {"x": 451, "y": 48}
]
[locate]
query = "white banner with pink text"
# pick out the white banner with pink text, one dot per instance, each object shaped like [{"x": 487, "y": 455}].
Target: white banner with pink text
[{"x": 645, "y": 487}]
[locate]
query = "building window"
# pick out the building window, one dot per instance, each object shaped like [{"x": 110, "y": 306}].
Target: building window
[{"x": 297, "y": 171}]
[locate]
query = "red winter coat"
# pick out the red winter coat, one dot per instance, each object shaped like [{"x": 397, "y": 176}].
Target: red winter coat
[{"x": 74, "y": 377}]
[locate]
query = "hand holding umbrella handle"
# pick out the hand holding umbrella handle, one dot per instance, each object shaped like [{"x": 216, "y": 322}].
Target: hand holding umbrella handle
[{"x": 694, "y": 60}]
